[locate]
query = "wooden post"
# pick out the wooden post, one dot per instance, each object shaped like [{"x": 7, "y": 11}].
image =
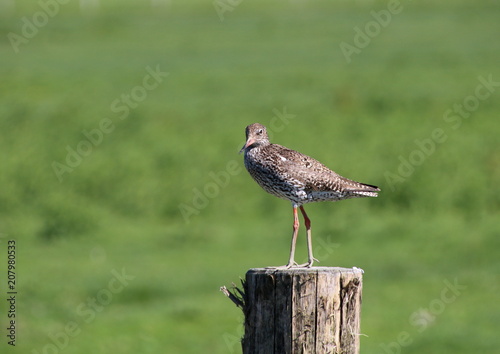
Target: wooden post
[{"x": 301, "y": 310}]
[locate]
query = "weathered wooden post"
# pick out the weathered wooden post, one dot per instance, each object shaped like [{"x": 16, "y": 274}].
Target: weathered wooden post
[{"x": 300, "y": 310}]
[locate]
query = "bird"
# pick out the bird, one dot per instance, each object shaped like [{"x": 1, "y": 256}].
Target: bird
[{"x": 298, "y": 178}]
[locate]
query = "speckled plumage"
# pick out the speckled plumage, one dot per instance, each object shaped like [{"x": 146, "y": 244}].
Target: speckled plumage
[
  {"x": 296, "y": 177},
  {"x": 290, "y": 175}
]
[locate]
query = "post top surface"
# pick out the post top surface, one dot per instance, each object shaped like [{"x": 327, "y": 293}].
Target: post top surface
[{"x": 314, "y": 270}]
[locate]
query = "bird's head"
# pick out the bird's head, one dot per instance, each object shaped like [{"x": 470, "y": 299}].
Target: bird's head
[{"x": 256, "y": 135}]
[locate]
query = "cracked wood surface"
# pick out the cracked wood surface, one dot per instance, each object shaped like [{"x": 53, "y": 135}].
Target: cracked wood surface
[{"x": 302, "y": 310}]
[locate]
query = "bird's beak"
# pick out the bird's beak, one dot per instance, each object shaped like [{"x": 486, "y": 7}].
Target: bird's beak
[{"x": 247, "y": 144}]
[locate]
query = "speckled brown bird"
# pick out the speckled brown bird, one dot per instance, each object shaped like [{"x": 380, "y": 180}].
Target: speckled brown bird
[{"x": 296, "y": 177}]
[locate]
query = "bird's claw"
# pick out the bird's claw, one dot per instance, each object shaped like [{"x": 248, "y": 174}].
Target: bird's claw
[
  {"x": 294, "y": 264},
  {"x": 284, "y": 267},
  {"x": 309, "y": 264}
]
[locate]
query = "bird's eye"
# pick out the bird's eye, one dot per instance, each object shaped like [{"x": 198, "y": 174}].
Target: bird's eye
[{"x": 259, "y": 132}]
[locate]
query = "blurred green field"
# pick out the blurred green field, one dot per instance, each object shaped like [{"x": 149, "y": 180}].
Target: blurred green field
[{"x": 124, "y": 223}]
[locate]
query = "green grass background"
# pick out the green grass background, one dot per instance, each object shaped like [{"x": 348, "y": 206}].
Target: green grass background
[{"x": 120, "y": 207}]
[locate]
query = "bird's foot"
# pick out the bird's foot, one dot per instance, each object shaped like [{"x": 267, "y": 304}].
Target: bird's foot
[
  {"x": 284, "y": 267},
  {"x": 304, "y": 265},
  {"x": 309, "y": 264}
]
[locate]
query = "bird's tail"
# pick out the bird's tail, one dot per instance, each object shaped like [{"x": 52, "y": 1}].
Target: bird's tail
[{"x": 365, "y": 190}]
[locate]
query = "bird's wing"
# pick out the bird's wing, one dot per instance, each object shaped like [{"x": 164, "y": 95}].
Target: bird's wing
[{"x": 313, "y": 174}]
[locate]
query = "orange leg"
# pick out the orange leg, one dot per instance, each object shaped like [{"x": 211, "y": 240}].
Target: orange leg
[
  {"x": 307, "y": 222},
  {"x": 291, "y": 261}
]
